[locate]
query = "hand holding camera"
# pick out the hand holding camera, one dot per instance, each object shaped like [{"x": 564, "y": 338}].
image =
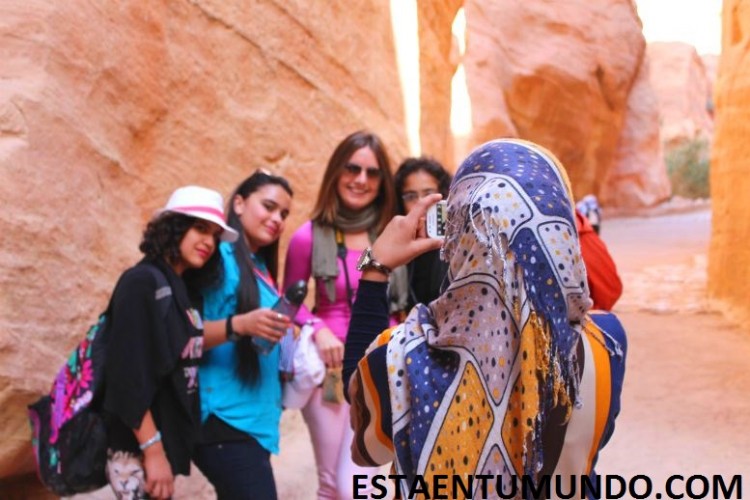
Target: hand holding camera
[{"x": 406, "y": 236}]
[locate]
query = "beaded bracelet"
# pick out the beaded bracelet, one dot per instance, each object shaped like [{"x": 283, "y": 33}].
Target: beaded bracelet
[{"x": 152, "y": 441}]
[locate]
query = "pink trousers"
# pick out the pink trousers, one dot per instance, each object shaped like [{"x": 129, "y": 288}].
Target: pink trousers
[{"x": 332, "y": 435}]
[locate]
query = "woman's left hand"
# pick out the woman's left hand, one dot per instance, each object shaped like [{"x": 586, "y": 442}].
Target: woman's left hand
[{"x": 331, "y": 349}]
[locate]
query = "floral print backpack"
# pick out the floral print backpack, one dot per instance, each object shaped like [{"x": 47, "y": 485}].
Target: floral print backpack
[{"x": 68, "y": 432}]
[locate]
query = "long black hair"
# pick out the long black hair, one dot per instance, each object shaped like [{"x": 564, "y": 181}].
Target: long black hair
[
  {"x": 161, "y": 240},
  {"x": 248, "y": 295}
]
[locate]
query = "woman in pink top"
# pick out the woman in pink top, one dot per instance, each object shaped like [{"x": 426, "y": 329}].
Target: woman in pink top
[{"x": 356, "y": 200}]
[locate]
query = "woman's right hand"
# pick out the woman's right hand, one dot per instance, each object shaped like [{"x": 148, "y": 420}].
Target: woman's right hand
[
  {"x": 264, "y": 323},
  {"x": 331, "y": 349},
  {"x": 405, "y": 237}
]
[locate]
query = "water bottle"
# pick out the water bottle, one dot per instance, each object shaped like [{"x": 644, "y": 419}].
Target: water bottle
[{"x": 288, "y": 305}]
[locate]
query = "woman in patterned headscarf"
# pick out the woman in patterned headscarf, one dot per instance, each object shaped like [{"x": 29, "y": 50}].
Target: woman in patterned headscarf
[{"x": 504, "y": 374}]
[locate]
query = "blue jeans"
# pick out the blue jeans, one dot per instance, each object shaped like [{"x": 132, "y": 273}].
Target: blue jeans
[{"x": 238, "y": 470}]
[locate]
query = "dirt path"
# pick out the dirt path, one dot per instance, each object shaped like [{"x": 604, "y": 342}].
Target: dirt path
[{"x": 686, "y": 403}]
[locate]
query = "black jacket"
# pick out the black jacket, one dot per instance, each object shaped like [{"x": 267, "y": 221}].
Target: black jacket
[{"x": 152, "y": 363}]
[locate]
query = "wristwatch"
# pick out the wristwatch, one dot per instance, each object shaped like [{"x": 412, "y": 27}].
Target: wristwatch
[{"x": 366, "y": 261}]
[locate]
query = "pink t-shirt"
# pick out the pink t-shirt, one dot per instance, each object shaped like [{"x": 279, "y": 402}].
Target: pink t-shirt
[{"x": 335, "y": 315}]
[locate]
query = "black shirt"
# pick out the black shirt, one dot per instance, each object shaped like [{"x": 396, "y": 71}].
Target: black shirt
[
  {"x": 152, "y": 363},
  {"x": 426, "y": 274}
]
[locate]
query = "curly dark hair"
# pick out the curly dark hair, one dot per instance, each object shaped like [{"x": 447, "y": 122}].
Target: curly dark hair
[
  {"x": 424, "y": 164},
  {"x": 161, "y": 240}
]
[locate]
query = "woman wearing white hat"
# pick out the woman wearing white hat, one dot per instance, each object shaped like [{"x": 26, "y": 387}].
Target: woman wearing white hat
[
  {"x": 156, "y": 336},
  {"x": 240, "y": 386}
]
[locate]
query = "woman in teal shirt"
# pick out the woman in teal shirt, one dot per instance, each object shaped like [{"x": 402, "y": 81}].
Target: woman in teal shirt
[{"x": 240, "y": 388}]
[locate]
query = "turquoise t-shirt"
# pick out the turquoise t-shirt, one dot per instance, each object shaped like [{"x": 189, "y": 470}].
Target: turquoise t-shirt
[{"x": 254, "y": 409}]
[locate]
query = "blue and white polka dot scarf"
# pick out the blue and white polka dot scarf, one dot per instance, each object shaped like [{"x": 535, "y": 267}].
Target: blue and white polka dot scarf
[{"x": 472, "y": 375}]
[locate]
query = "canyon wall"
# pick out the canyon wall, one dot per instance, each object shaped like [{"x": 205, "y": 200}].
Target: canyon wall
[
  {"x": 562, "y": 75},
  {"x": 106, "y": 107},
  {"x": 729, "y": 253}
]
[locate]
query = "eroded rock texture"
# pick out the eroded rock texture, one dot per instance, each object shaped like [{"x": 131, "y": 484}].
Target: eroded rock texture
[
  {"x": 438, "y": 60},
  {"x": 684, "y": 90},
  {"x": 638, "y": 177},
  {"x": 729, "y": 253},
  {"x": 562, "y": 74},
  {"x": 105, "y": 108}
]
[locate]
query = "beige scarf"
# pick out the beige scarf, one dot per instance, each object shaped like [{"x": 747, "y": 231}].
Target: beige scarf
[{"x": 325, "y": 253}]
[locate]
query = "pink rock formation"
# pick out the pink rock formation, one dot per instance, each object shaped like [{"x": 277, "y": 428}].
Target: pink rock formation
[
  {"x": 437, "y": 64},
  {"x": 638, "y": 177},
  {"x": 729, "y": 253},
  {"x": 711, "y": 63},
  {"x": 683, "y": 88},
  {"x": 560, "y": 75}
]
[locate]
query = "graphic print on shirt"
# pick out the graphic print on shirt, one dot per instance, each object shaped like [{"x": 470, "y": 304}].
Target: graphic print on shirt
[{"x": 193, "y": 351}]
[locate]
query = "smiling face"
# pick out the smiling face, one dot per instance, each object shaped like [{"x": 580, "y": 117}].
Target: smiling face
[
  {"x": 198, "y": 245},
  {"x": 263, "y": 214},
  {"x": 358, "y": 187}
]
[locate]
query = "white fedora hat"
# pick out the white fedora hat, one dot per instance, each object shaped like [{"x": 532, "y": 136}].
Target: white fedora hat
[{"x": 201, "y": 203}]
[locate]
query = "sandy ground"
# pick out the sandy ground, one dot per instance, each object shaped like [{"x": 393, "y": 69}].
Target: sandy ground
[
  {"x": 686, "y": 403},
  {"x": 685, "y": 406}
]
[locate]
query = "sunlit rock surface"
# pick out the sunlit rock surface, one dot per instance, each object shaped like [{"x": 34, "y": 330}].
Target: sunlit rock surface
[
  {"x": 638, "y": 177},
  {"x": 729, "y": 253},
  {"x": 105, "y": 108},
  {"x": 562, "y": 76},
  {"x": 438, "y": 60},
  {"x": 683, "y": 88}
]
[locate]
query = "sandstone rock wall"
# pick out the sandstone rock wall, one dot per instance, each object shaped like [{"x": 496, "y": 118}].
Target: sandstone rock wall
[
  {"x": 729, "y": 253},
  {"x": 437, "y": 65},
  {"x": 106, "y": 107},
  {"x": 683, "y": 87},
  {"x": 562, "y": 75},
  {"x": 638, "y": 177}
]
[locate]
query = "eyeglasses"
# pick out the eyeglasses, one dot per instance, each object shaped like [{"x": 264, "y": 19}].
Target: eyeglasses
[
  {"x": 356, "y": 170},
  {"x": 412, "y": 196}
]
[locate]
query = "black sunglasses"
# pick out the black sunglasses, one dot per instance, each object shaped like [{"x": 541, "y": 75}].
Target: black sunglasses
[{"x": 355, "y": 170}]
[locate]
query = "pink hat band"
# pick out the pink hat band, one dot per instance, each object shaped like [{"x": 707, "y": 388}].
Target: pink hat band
[
  {"x": 193, "y": 209},
  {"x": 201, "y": 203}
]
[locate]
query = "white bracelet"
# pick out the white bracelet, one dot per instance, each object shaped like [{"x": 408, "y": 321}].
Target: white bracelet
[{"x": 152, "y": 441}]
